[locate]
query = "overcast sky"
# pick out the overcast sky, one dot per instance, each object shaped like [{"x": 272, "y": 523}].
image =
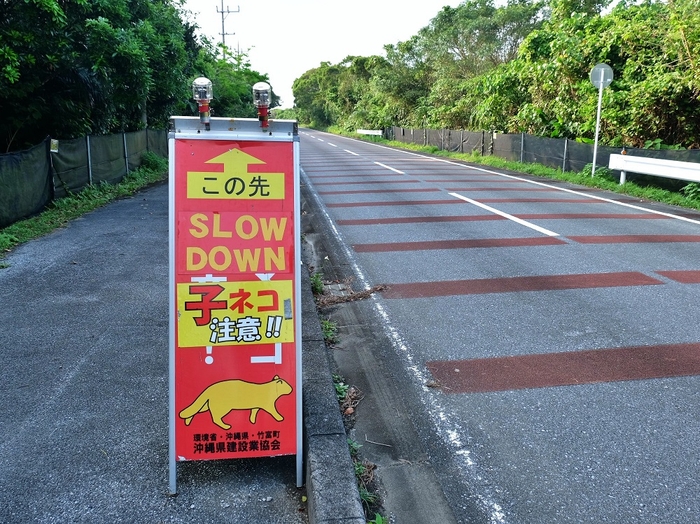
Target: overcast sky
[{"x": 285, "y": 38}]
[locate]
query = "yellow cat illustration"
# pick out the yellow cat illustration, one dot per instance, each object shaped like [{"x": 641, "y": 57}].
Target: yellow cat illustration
[{"x": 223, "y": 397}]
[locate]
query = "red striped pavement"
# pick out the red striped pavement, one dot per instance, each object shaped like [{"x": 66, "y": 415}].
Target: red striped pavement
[
  {"x": 684, "y": 277},
  {"x": 457, "y": 244},
  {"x": 518, "y": 284},
  {"x": 634, "y": 239},
  {"x": 469, "y": 218},
  {"x": 567, "y": 368},
  {"x": 380, "y": 191}
]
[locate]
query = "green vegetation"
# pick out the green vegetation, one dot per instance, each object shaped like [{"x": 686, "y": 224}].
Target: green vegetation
[
  {"x": 364, "y": 472},
  {"x": 285, "y": 114},
  {"x": 348, "y": 398},
  {"x": 692, "y": 191},
  {"x": 524, "y": 67},
  {"x": 341, "y": 388},
  {"x": 317, "y": 283},
  {"x": 70, "y": 68},
  {"x": 153, "y": 169},
  {"x": 330, "y": 331}
]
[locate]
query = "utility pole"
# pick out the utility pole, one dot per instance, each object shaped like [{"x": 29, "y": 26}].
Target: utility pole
[{"x": 224, "y": 14}]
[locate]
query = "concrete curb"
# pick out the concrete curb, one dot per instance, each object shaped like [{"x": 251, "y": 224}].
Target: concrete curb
[{"x": 331, "y": 486}]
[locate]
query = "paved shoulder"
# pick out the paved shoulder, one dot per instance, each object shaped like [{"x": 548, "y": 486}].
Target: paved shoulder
[{"x": 84, "y": 347}]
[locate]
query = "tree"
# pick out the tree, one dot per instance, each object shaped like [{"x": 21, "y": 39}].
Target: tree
[
  {"x": 233, "y": 80},
  {"x": 515, "y": 68},
  {"x": 563, "y": 9},
  {"x": 31, "y": 66},
  {"x": 316, "y": 94},
  {"x": 75, "y": 67}
]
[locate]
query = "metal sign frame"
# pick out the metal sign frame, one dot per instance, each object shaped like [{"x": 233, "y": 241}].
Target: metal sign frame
[{"x": 208, "y": 204}]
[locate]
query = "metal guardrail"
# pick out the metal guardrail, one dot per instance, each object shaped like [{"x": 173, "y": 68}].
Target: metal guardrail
[{"x": 688, "y": 171}]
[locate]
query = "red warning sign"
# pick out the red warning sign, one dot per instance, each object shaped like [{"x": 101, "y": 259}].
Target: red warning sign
[{"x": 233, "y": 253}]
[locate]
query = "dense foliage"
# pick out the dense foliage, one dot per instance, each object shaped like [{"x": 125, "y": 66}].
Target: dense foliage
[
  {"x": 524, "y": 67},
  {"x": 74, "y": 67}
]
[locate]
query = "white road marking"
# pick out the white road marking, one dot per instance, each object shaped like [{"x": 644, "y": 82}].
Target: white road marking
[
  {"x": 570, "y": 191},
  {"x": 444, "y": 428},
  {"x": 390, "y": 168},
  {"x": 506, "y": 215},
  {"x": 594, "y": 197}
]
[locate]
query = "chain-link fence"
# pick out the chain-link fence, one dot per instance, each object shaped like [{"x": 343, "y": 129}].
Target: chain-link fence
[
  {"x": 31, "y": 179},
  {"x": 567, "y": 155}
]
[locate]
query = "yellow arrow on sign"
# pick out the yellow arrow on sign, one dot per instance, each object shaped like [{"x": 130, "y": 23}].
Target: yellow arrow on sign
[
  {"x": 235, "y": 159},
  {"x": 235, "y": 182}
]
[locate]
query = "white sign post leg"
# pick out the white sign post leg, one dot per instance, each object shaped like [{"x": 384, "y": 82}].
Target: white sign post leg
[{"x": 597, "y": 120}]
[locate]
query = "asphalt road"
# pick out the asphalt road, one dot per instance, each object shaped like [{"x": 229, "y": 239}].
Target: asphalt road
[
  {"x": 540, "y": 341},
  {"x": 84, "y": 411}
]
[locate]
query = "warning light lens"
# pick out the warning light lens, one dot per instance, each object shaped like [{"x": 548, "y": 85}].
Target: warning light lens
[
  {"x": 202, "y": 89},
  {"x": 261, "y": 94}
]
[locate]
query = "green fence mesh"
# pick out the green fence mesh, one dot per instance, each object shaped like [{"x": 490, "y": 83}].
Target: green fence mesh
[
  {"x": 30, "y": 179},
  {"x": 25, "y": 183}
]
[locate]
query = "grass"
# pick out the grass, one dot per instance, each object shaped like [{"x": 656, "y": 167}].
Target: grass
[
  {"x": 317, "y": 283},
  {"x": 153, "y": 169}
]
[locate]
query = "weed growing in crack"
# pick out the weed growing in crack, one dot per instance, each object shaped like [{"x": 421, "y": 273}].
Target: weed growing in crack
[
  {"x": 353, "y": 396},
  {"x": 332, "y": 300},
  {"x": 364, "y": 469},
  {"x": 341, "y": 388},
  {"x": 348, "y": 396},
  {"x": 330, "y": 331},
  {"x": 367, "y": 497},
  {"x": 317, "y": 283},
  {"x": 354, "y": 447},
  {"x": 364, "y": 473}
]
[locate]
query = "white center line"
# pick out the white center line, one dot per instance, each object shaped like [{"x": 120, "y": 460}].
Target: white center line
[
  {"x": 351, "y": 152},
  {"x": 571, "y": 191},
  {"x": 506, "y": 215},
  {"x": 390, "y": 168}
]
